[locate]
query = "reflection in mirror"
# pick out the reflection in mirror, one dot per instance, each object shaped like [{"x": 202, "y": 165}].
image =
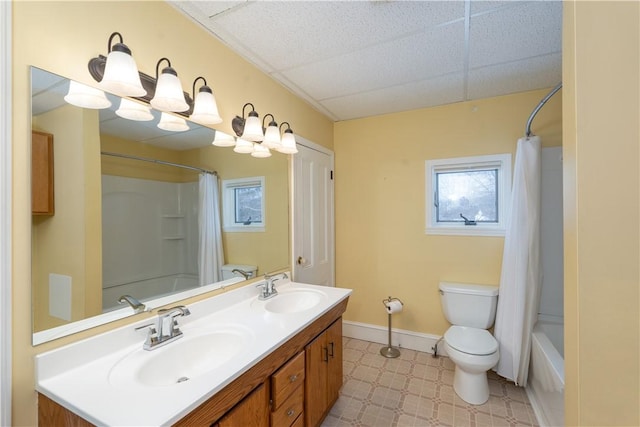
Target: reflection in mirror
[{"x": 129, "y": 201}]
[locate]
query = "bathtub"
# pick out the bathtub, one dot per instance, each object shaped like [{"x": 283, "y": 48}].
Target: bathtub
[
  {"x": 546, "y": 372},
  {"x": 147, "y": 289}
]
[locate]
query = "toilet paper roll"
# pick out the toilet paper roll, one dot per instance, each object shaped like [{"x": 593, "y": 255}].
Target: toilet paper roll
[{"x": 393, "y": 306}]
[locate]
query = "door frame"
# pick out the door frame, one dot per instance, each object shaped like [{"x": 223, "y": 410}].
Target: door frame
[{"x": 294, "y": 221}]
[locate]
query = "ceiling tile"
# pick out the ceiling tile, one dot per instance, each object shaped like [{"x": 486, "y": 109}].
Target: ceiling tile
[
  {"x": 508, "y": 34},
  {"x": 397, "y": 62},
  {"x": 519, "y": 76}
]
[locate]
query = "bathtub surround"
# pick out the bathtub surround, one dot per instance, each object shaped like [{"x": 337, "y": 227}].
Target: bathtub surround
[{"x": 520, "y": 278}]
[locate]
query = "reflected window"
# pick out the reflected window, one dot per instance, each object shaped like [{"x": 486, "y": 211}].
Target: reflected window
[{"x": 243, "y": 204}]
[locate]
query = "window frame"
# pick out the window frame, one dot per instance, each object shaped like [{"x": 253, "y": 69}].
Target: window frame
[
  {"x": 501, "y": 162},
  {"x": 229, "y": 186}
]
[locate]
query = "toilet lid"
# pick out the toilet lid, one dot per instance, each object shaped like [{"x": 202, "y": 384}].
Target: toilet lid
[{"x": 471, "y": 340}]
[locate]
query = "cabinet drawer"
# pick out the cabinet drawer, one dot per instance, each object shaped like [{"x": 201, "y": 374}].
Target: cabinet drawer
[
  {"x": 290, "y": 409},
  {"x": 287, "y": 379}
]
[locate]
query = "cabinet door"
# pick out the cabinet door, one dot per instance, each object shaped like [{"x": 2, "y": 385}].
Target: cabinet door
[
  {"x": 252, "y": 411},
  {"x": 315, "y": 397},
  {"x": 334, "y": 373}
]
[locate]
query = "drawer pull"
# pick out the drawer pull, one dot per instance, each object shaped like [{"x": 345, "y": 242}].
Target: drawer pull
[
  {"x": 292, "y": 378},
  {"x": 290, "y": 413},
  {"x": 332, "y": 353}
]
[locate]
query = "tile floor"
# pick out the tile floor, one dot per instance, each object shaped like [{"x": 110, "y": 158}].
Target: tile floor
[{"x": 416, "y": 389}]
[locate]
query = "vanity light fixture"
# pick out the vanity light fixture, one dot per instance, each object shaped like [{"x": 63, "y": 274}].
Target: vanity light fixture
[
  {"x": 121, "y": 75},
  {"x": 133, "y": 110},
  {"x": 222, "y": 139},
  {"x": 85, "y": 96},
  {"x": 271, "y": 134},
  {"x": 249, "y": 129},
  {"x": 260, "y": 151},
  {"x": 243, "y": 146},
  {"x": 172, "y": 123},
  {"x": 205, "y": 109},
  {"x": 288, "y": 142},
  {"x": 168, "y": 95}
]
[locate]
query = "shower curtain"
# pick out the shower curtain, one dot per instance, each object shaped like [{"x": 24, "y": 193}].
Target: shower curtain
[
  {"x": 210, "y": 258},
  {"x": 520, "y": 278}
]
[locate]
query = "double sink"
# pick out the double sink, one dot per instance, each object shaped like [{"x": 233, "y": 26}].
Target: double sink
[{"x": 109, "y": 379}]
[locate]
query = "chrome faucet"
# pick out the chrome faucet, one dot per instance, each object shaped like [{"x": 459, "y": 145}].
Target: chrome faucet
[
  {"x": 268, "y": 289},
  {"x": 137, "y": 306},
  {"x": 165, "y": 328}
]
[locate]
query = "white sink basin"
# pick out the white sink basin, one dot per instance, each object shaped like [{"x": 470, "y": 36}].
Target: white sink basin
[
  {"x": 195, "y": 354},
  {"x": 294, "y": 301}
]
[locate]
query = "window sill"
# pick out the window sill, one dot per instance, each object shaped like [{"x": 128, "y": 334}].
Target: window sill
[
  {"x": 243, "y": 229},
  {"x": 468, "y": 230}
]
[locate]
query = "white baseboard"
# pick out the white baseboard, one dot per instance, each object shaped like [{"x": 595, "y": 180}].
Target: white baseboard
[{"x": 399, "y": 337}]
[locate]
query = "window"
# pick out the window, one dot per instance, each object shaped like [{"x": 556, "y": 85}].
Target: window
[
  {"x": 243, "y": 204},
  {"x": 468, "y": 195}
]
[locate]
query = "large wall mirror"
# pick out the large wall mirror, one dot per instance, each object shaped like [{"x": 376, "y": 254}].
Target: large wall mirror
[{"x": 118, "y": 208}]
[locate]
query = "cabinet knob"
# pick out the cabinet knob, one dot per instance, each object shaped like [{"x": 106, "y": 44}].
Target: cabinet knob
[
  {"x": 292, "y": 378},
  {"x": 290, "y": 413}
]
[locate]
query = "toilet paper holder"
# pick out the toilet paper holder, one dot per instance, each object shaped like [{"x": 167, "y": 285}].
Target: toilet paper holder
[{"x": 389, "y": 351}]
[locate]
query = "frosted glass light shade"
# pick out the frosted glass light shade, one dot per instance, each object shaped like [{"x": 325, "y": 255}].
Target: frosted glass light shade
[
  {"x": 252, "y": 128},
  {"x": 260, "y": 151},
  {"x": 172, "y": 123},
  {"x": 222, "y": 139},
  {"x": 288, "y": 143},
  {"x": 272, "y": 137},
  {"x": 85, "y": 96},
  {"x": 121, "y": 75},
  {"x": 169, "y": 95},
  {"x": 243, "y": 146},
  {"x": 205, "y": 109},
  {"x": 132, "y": 110}
]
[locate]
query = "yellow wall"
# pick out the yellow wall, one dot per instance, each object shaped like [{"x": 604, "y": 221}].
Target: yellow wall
[
  {"x": 601, "y": 134},
  {"x": 61, "y": 37},
  {"x": 68, "y": 242},
  {"x": 381, "y": 246}
]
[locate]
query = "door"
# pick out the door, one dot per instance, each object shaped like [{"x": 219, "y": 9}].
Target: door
[
  {"x": 334, "y": 369},
  {"x": 313, "y": 210}
]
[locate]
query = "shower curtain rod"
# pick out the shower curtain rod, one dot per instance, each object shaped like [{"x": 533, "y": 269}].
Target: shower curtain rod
[
  {"x": 161, "y": 162},
  {"x": 527, "y": 130}
]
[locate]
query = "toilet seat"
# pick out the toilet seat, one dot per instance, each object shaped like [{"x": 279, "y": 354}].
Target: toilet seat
[{"x": 472, "y": 341}]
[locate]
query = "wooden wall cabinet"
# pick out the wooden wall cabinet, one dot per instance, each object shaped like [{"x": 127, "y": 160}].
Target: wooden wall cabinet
[
  {"x": 323, "y": 374},
  {"x": 42, "y": 194}
]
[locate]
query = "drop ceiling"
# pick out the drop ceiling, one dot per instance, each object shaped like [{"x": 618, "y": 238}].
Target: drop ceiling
[{"x": 352, "y": 59}]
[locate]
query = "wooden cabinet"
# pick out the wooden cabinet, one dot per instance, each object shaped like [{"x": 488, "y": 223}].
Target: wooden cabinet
[
  {"x": 42, "y": 195},
  {"x": 287, "y": 392},
  {"x": 323, "y": 374},
  {"x": 304, "y": 373},
  {"x": 252, "y": 411}
]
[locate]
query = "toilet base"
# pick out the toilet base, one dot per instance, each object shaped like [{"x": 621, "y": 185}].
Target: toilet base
[{"x": 473, "y": 388}]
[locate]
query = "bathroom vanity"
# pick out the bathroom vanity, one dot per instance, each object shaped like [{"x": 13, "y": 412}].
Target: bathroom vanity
[{"x": 241, "y": 361}]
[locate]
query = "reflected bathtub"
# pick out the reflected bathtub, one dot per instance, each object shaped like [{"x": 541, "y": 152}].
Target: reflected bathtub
[
  {"x": 546, "y": 372},
  {"x": 147, "y": 289}
]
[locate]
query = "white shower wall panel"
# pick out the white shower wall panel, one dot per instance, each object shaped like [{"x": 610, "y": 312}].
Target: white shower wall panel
[
  {"x": 148, "y": 229},
  {"x": 551, "y": 244}
]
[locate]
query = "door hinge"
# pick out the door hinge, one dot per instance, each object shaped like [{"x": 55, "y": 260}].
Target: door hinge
[{"x": 331, "y": 175}]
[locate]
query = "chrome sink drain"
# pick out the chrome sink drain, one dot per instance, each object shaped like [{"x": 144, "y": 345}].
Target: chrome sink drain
[{"x": 182, "y": 379}]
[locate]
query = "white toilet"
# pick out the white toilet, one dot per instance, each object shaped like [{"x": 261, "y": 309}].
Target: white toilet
[{"x": 471, "y": 309}]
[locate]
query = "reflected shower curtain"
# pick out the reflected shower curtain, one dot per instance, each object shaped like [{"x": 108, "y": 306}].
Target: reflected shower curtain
[
  {"x": 520, "y": 278},
  {"x": 210, "y": 253}
]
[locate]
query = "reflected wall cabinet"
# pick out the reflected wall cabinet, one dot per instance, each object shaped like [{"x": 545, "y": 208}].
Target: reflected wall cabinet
[{"x": 42, "y": 194}]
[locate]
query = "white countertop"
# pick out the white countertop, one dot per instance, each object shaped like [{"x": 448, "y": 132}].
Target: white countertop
[{"x": 80, "y": 376}]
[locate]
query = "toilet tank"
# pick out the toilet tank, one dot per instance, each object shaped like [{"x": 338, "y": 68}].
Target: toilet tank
[
  {"x": 467, "y": 304},
  {"x": 227, "y": 270}
]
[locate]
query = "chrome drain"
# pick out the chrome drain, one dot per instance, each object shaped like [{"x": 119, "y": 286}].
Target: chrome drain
[{"x": 182, "y": 379}]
